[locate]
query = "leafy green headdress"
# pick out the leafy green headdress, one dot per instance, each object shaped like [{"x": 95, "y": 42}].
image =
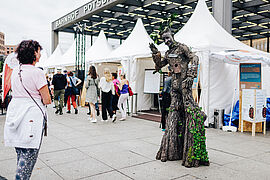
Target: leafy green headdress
[{"x": 164, "y": 26}]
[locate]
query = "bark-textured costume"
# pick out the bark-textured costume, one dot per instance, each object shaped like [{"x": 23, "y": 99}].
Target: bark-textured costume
[{"x": 184, "y": 137}]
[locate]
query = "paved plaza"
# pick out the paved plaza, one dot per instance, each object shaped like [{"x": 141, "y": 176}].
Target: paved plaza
[{"x": 78, "y": 149}]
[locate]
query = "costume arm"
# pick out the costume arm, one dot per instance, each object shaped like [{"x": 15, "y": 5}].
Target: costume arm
[{"x": 157, "y": 57}]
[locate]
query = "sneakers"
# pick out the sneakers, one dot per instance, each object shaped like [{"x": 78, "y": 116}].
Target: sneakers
[
  {"x": 90, "y": 119},
  {"x": 76, "y": 111},
  {"x": 114, "y": 118},
  {"x": 57, "y": 111},
  {"x": 60, "y": 112},
  {"x": 68, "y": 112},
  {"x": 122, "y": 119},
  {"x": 93, "y": 120}
]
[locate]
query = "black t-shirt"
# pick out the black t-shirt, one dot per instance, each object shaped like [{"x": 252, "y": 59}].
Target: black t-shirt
[{"x": 59, "y": 81}]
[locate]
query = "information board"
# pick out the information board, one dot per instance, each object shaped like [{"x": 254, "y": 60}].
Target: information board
[
  {"x": 250, "y": 76},
  {"x": 151, "y": 82}
]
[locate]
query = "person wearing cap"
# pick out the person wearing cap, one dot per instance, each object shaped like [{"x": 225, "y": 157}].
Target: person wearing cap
[{"x": 59, "y": 82}]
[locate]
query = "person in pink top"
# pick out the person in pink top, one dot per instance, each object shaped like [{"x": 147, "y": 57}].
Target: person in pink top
[
  {"x": 26, "y": 115},
  {"x": 117, "y": 93}
]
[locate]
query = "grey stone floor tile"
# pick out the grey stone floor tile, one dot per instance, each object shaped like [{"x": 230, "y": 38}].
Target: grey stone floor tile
[
  {"x": 8, "y": 167},
  {"x": 80, "y": 169},
  {"x": 63, "y": 156},
  {"x": 216, "y": 172},
  {"x": 263, "y": 158},
  {"x": 108, "y": 176},
  {"x": 141, "y": 147},
  {"x": 153, "y": 140},
  {"x": 7, "y": 153},
  {"x": 222, "y": 158},
  {"x": 87, "y": 141},
  {"x": 119, "y": 159},
  {"x": 187, "y": 177},
  {"x": 154, "y": 170},
  {"x": 249, "y": 166},
  {"x": 52, "y": 144},
  {"x": 45, "y": 174}
]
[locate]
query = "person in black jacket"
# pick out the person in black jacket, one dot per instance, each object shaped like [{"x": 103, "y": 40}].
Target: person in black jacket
[{"x": 59, "y": 82}]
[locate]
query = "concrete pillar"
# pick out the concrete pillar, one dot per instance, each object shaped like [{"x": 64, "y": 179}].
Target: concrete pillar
[
  {"x": 222, "y": 11},
  {"x": 55, "y": 40}
]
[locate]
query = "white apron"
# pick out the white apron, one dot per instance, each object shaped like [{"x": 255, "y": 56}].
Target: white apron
[{"x": 24, "y": 123}]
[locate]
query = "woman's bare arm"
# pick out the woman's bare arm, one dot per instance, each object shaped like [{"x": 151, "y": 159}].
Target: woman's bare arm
[{"x": 45, "y": 95}]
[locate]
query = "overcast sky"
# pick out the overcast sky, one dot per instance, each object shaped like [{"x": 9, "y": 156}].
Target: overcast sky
[{"x": 31, "y": 19}]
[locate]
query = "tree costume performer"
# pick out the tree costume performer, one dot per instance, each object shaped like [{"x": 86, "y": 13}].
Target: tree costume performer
[{"x": 184, "y": 137}]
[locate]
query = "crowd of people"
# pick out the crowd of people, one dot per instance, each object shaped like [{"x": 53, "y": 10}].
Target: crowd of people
[
  {"x": 113, "y": 94},
  {"x": 108, "y": 90}
]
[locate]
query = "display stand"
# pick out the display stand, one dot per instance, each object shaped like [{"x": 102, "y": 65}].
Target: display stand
[
  {"x": 256, "y": 100},
  {"x": 251, "y": 98}
]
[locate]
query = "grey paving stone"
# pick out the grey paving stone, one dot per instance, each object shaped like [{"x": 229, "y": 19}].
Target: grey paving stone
[
  {"x": 263, "y": 158},
  {"x": 121, "y": 158},
  {"x": 8, "y": 167},
  {"x": 7, "y": 153},
  {"x": 52, "y": 144},
  {"x": 216, "y": 172},
  {"x": 187, "y": 177},
  {"x": 251, "y": 167},
  {"x": 80, "y": 169},
  {"x": 155, "y": 170},
  {"x": 45, "y": 174},
  {"x": 63, "y": 156},
  {"x": 141, "y": 147},
  {"x": 108, "y": 176},
  {"x": 222, "y": 158}
]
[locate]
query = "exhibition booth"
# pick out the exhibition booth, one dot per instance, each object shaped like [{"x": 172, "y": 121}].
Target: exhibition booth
[{"x": 218, "y": 78}]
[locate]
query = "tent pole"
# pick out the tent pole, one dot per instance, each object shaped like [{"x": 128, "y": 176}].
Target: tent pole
[
  {"x": 268, "y": 44},
  {"x": 208, "y": 92},
  {"x": 91, "y": 40}
]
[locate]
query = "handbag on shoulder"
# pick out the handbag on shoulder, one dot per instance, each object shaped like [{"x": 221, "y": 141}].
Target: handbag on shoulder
[
  {"x": 130, "y": 90},
  {"x": 74, "y": 89}
]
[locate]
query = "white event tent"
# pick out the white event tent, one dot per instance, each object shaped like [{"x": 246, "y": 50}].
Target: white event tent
[
  {"x": 218, "y": 80},
  {"x": 54, "y": 58},
  {"x": 100, "y": 49},
  {"x": 135, "y": 56},
  {"x": 69, "y": 57}
]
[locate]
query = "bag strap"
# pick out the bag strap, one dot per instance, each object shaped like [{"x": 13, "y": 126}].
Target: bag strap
[
  {"x": 44, "y": 130},
  {"x": 72, "y": 84},
  {"x": 95, "y": 83}
]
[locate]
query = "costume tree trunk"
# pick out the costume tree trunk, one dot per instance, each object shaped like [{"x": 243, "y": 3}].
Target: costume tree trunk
[{"x": 171, "y": 147}]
